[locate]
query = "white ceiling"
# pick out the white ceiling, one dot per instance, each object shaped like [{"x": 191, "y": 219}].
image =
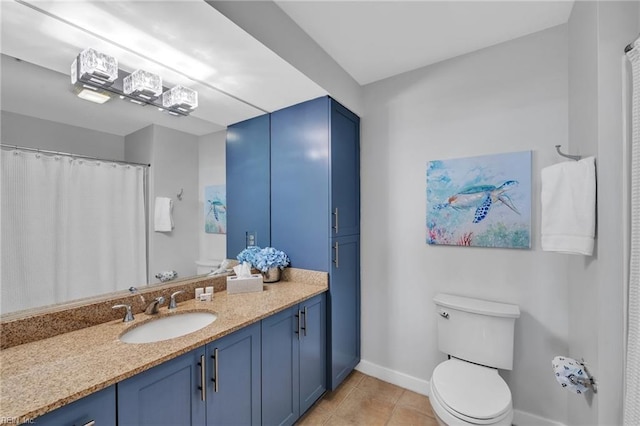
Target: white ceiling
[
  {"x": 189, "y": 42},
  {"x": 373, "y": 40}
]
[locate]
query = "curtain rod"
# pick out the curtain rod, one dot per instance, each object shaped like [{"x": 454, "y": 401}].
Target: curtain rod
[{"x": 68, "y": 154}]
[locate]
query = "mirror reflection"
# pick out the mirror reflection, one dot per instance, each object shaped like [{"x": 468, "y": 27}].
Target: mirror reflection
[
  {"x": 86, "y": 229},
  {"x": 40, "y": 110}
]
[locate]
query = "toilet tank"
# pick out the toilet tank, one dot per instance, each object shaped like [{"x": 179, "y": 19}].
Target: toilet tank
[{"x": 476, "y": 330}]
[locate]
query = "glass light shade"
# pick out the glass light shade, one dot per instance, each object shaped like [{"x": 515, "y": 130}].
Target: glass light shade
[
  {"x": 93, "y": 65},
  {"x": 180, "y": 97},
  {"x": 144, "y": 84}
]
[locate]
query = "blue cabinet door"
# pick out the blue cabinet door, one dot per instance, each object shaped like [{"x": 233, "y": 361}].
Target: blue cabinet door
[
  {"x": 170, "y": 394},
  {"x": 313, "y": 351},
  {"x": 99, "y": 407},
  {"x": 280, "y": 373},
  {"x": 345, "y": 171},
  {"x": 315, "y": 203},
  {"x": 233, "y": 394},
  {"x": 344, "y": 309},
  {"x": 248, "y": 177},
  {"x": 300, "y": 216}
]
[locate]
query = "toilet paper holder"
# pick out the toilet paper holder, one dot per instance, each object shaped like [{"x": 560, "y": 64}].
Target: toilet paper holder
[{"x": 589, "y": 382}]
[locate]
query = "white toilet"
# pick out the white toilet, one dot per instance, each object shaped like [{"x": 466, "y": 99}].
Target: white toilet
[
  {"x": 478, "y": 336},
  {"x": 206, "y": 266}
]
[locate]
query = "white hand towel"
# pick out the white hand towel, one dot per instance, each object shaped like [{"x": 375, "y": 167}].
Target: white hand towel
[
  {"x": 163, "y": 218},
  {"x": 568, "y": 201}
]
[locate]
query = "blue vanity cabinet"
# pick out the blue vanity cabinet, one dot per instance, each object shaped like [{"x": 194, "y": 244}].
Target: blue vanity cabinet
[
  {"x": 169, "y": 394},
  {"x": 293, "y": 361},
  {"x": 233, "y": 376},
  {"x": 247, "y": 181},
  {"x": 315, "y": 203},
  {"x": 99, "y": 407},
  {"x": 172, "y": 393}
]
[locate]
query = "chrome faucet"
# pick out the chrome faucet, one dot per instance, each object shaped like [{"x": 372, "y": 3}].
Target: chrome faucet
[
  {"x": 172, "y": 301},
  {"x": 152, "y": 308},
  {"x": 128, "y": 316}
]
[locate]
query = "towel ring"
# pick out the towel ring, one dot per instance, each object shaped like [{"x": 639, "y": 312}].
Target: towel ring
[
  {"x": 573, "y": 157},
  {"x": 179, "y": 195}
]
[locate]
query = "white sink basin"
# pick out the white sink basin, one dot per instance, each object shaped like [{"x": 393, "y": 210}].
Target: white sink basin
[{"x": 168, "y": 327}]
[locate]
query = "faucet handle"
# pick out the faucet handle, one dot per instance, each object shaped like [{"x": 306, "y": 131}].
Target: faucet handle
[
  {"x": 172, "y": 302},
  {"x": 128, "y": 316}
]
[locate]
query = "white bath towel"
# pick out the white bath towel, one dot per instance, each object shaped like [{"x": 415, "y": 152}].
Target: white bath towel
[
  {"x": 164, "y": 216},
  {"x": 568, "y": 200}
]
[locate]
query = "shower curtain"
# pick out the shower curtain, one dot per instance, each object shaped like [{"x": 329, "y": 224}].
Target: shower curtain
[
  {"x": 631, "y": 414},
  {"x": 71, "y": 228}
]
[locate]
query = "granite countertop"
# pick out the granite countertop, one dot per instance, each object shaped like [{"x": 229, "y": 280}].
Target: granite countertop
[{"x": 40, "y": 376}]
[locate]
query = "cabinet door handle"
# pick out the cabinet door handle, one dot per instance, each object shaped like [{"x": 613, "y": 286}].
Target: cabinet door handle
[
  {"x": 304, "y": 312},
  {"x": 298, "y": 315},
  {"x": 336, "y": 247},
  {"x": 90, "y": 423},
  {"x": 214, "y": 379},
  {"x": 203, "y": 379},
  {"x": 335, "y": 213}
]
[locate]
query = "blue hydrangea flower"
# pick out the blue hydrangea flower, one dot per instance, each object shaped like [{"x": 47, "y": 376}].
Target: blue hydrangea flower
[
  {"x": 249, "y": 255},
  {"x": 270, "y": 257}
]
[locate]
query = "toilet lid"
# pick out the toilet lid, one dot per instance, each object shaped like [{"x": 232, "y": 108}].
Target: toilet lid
[{"x": 471, "y": 390}]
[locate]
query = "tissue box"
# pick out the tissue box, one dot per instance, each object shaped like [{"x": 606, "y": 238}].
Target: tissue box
[{"x": 244, "y": 285}]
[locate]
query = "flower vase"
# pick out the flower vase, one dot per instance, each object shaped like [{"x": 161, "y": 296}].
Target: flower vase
[{"x": 271, "y": 275}]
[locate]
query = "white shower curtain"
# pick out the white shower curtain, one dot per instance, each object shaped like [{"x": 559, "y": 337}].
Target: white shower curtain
[
  {"x": 70, "y": 228},
  {"x": 632, "y": 376}
]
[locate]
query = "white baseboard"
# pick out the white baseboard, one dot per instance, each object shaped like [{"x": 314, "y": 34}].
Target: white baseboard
[
  {"x": 394, "y": 377},
  {"x": 520, "y": 418}
]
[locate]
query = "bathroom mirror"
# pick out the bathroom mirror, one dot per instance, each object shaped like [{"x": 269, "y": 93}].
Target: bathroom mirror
[{"x": 236, "y": 77}]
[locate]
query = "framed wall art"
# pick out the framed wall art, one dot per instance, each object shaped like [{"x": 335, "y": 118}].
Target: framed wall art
[
  {"x": 215, "y": 209},
  {"x": 482, "y": 201}
]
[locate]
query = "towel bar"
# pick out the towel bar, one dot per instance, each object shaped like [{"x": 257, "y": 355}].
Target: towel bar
[{"x": 573, "y": 157}]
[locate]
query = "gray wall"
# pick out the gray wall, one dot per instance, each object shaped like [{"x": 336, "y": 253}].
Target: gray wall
[
  {"x": 174, "y": 166},
  {"x": 22, "y": 130},
  {"x": 510, "y": 97},
  {"x": 212, "y": 171},
  {"x": 598, "y": 32}
]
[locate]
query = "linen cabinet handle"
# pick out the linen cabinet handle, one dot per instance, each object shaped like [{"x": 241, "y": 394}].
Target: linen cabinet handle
[
  {"x": 335, "y": 214},
  {"x": 203, "y": 379},
  {"x": 214, "y": 379},
  {"x": 298, "y": 331},
  {"x": 336, "y": 247},
  {"x": 304, "y": 312}
]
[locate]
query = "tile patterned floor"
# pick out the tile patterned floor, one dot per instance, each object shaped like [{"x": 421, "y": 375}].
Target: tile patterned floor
[{"x": 366, "y": 401}]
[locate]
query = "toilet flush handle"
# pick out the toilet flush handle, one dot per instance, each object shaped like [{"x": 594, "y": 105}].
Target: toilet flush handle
[{"x": 444, "y": 314}]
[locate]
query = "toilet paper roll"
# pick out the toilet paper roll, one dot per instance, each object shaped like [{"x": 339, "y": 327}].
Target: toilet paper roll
[{"x": 570, "y": 374}]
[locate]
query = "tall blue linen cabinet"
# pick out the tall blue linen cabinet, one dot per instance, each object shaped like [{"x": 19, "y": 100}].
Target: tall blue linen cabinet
[{"x": 314, "y": 207}]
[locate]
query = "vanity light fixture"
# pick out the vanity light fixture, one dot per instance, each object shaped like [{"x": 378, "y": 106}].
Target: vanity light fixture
[
  {"x": 93, "y": 67},
  {"x": 95, "y": 77},
  {"x": 143, "y": 84},
  {"x": 181, "y": 98}
]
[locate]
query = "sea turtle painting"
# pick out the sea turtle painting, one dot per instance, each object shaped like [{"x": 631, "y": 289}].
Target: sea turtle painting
[
  {"x": 482, "y": 197},
  {"x": 482, "y": 201}
]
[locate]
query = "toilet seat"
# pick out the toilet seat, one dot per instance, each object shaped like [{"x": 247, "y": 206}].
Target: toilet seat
[{"x": 471, "y": 393}]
